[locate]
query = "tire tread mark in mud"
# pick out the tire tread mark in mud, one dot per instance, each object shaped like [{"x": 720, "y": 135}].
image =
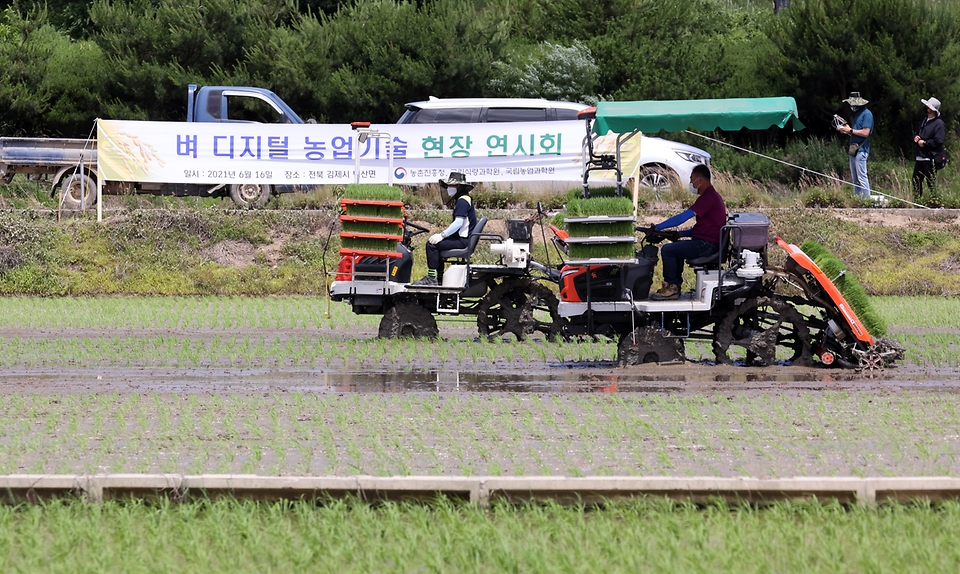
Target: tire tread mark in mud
[
  {"x": 760, "y": 325},
  {"x": 408, "y": 320},
  {"x": 648, "y": 345},
  {"x": 511, "y": 307}
]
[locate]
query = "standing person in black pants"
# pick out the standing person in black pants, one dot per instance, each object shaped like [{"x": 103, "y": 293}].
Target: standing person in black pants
[{"x": 928, "y": 143}]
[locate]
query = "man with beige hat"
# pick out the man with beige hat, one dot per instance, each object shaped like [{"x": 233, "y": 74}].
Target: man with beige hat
[
  {"x": 928, "y": 145},
  {"x": 858, "y": 149}
]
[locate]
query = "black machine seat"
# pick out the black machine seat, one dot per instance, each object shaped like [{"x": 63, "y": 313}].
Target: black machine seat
[
  {"x": 715, "y": 259},
  {"x": 743, "y": 231},
  {"x": 473, "y": 239}
]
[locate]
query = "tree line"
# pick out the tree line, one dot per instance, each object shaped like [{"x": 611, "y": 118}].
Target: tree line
[{"x": 65, "y": 62}]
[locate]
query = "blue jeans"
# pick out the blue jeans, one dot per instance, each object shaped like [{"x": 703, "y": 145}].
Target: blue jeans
[
  {"x": 858, "y": 173},
  {"x": 674, "y": 254}
]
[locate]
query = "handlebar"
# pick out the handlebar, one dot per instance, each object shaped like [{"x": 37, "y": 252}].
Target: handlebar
[
  {"x": 417, "y": 229},
  {"x": 654, "y": 236}
]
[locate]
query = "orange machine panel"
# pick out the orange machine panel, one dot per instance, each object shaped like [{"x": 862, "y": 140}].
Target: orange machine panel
[{"x": 803, "y": 260}]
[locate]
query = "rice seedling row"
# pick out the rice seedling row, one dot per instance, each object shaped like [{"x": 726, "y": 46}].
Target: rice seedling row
[
  {"x": 352, "y": 536},
  {"x": 491, "y": 433}
]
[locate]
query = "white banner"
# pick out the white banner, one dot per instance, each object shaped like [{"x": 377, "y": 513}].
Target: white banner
[{"x": 310, "y": 154}]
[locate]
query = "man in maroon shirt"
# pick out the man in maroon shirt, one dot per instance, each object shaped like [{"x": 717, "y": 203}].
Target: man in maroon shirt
[{"x": 711, "y": 214}]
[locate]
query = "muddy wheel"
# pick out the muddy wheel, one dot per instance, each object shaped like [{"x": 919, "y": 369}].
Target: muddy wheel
[
  {"x": 408, "y": 320},
  {"x": 648, "y": 345},
  {"x": 521, "y": 307},
  {"x": 79, "y": 191},
  {"x": 250, "y": 194},
  {"x": 754, "y": 331}
]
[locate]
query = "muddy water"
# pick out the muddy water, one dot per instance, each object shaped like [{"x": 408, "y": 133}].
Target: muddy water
[{"x": 542, "y": 378}]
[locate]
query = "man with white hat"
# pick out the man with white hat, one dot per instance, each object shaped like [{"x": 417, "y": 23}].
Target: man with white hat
[
  {"x": 859, "y": 131},
  {"x": 928, "y": 145}
]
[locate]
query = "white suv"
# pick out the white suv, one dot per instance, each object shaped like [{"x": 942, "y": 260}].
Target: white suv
[{"x": 663, "y": 162}]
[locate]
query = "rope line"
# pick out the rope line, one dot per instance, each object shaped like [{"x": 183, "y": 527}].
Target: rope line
[{"x": 803, "y": 169}]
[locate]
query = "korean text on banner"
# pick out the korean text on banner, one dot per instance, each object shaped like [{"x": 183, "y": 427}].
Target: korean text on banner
[{"x": 311, "y": 154}]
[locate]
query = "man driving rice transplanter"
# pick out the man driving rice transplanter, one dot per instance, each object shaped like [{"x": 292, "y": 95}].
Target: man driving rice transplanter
[{"x": 711, "y": 214}]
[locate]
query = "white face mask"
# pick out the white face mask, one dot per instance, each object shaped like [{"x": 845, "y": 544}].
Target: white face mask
[
  {"x": 693, "y": 188},
  {"x": 452, "y": 190}
]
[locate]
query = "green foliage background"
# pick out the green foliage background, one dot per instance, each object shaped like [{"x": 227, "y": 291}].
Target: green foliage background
[{"x": 66, "y": 62}]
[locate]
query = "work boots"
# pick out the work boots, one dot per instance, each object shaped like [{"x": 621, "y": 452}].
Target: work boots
[
  {"x": 668, "y": 292},
  {"x": 426, "y": 281}
]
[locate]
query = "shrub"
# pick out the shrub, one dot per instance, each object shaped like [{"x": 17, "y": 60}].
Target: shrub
[
  {"x": 823, "y": 197},
  {"x": 492, "y": 198},
  {"x": 893, "y": 52},
  {"x": 547, "y": 70}
]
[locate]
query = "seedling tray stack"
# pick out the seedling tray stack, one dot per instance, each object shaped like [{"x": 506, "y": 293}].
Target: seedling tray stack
[
  {"x": 601, "y": 231},
  {"x": 371, "y": 218}
]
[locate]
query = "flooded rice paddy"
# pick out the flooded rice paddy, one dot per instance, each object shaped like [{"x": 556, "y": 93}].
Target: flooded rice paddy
[{"x": 276, "y": 387}]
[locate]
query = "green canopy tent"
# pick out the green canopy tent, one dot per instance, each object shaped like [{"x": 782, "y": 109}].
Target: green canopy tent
[
  {"x": 676, "y": 115},
  {"x": 630, "y": 118}
]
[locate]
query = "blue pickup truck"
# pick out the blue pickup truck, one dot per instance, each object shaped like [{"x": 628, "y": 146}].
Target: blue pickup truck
[{"x": 70, "y": 165}]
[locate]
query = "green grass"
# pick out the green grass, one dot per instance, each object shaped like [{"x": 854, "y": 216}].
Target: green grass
[
  {"x": 368, "y": 244},
  {"x": 372, "y": 227},
  {"x": 186, "y": 313},
  {"x": 901, "y": 312},
  {"x": 351, "y": 536},
  {"x": 595, "y": 192},
  {"x": 599, "y": 206},
  {"x": 615, "y": 229},
  {"x": 848, "y": 285},
  {"x": 602, "y": 251},
  {"x": 364, "y": 210},
  {"x": 373, "y": 191}
]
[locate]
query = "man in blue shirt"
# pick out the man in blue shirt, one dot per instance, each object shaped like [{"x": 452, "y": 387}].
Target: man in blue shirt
[{"x": 859, "y": 131}]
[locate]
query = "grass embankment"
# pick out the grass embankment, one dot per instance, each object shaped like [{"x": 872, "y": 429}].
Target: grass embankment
[
  {"x": 221, "y": 252},
  {"x": 350, "y": 536},
  {"x": 914, "y": 257}
]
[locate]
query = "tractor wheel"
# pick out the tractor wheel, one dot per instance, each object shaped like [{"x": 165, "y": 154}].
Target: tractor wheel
[
  {"x": 408, "y": 320},
  {"x": 757, "y": 327},
  {"x": 519, "y": 306},
  {"x": 648, "y": 345}
]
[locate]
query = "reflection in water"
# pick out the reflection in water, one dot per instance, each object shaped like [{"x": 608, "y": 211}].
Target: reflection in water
[
  {"x": 549, "y": 378},
  {"x": 580, "y": 380}
]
